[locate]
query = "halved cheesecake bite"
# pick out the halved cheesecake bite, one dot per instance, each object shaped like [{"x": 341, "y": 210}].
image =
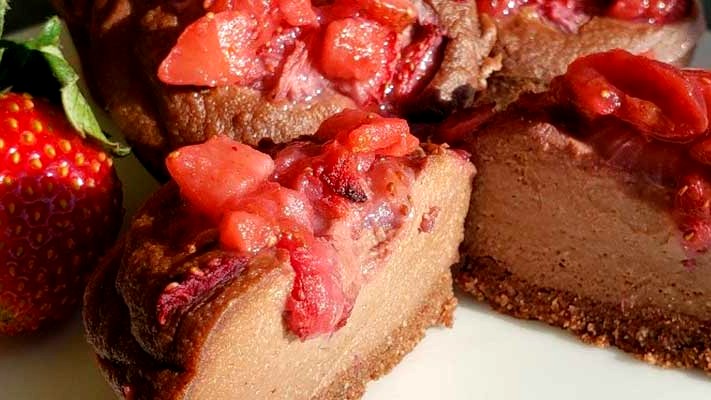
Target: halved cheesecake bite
[
  {"x": 273, "y": 69},
  {"x": 539, "y": 39},
  {"x": 299, "y": 274},
  {"x": 591, "y": 208}
]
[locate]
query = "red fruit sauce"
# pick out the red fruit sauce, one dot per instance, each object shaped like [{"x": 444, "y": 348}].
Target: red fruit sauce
[
  {"x": 569, "y": 15},
  {"x": 378, "y": 52},
  {"x": 312, "y": 201},
  {"x": 652, "y": 118}
]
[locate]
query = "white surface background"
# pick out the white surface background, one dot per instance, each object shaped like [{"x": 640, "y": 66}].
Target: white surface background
[{"x": 485, "y": 356}]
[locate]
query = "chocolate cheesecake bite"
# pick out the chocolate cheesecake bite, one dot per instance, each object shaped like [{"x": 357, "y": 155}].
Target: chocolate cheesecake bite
[
  {"x": 300, "y": 274},
  {"x": 539, "y": 39},
  {"x": 591, "y": 208},
  {"x": 273, "y": 69}
]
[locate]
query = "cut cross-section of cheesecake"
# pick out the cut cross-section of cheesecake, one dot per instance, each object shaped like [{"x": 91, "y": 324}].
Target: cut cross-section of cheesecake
[
  {"x": 591, "y": 209},
  {"x": 297, "y": 276}
]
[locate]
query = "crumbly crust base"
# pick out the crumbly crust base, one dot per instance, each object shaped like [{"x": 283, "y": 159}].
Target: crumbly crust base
[{"x": 659, "y": 337}]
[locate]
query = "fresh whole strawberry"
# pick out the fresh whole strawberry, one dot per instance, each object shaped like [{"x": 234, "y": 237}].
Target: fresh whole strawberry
[{"x": 60, "y": 198}]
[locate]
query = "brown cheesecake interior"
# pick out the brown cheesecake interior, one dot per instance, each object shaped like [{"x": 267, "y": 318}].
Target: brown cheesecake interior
[{"x": 576, "y": 225}]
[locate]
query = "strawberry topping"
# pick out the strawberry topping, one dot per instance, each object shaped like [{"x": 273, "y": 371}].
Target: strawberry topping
[
  {"x": 649, "y": 117},
  {"x": 360, "y": 48},
  {"x": 358, "y": 174},
  {"x": 235, "y": 168},
  {"x": 570, "y": 15}
]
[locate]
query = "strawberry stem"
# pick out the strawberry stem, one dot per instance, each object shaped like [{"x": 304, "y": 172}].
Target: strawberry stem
[{"x": 43, "y": 54}]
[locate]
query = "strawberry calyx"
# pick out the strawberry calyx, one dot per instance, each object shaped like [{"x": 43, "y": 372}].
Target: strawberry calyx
[
  {"x": 288, "y": 204},
  {"x": 570, "y": 15},
  {"x": 38, "y": 67},
  {"x": 361, "y": 48},
  {"x": 646, "y": 116}
]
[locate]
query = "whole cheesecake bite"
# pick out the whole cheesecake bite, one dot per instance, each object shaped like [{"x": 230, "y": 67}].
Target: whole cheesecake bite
[
  {"x": 273, "y": 69},
  {"x": 538, "y": 39},
  {"x": 297, "y": 275},
  {"x": 591, "y": 208}
]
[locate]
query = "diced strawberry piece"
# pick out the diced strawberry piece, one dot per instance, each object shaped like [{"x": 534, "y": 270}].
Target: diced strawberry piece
[
  {"x": 285, "y": 209},
  {"x": 701, "y": 79},
  {"x": 343, "y": 123},
  {"x": 383, "y": 136},
  {"x": 317, "y": 304},
  {"x": 364, "y": 132},
  {"x": 299, "y": 79},
  {"x": 198, "y": 284},
  {"x": 419, "y": 62},
  {"x": 298, "y": 12},
  {"x": 338, "y": 9},
  {"x": 693, "y": 199},
  {"x": 652, "y": 11},
  {"x": 701, "y": 151},
  {"x": 211, "y": 173},
  {"x": 219, "y": 5},
  {"x": 653, "y": 96},
  {"x": 340, "y": 170},
  {"x": 395, "y": 14},
  {"x": 246, "y": 232},
  {"x": 568, "y": 15},
  {"x": 354, "y": 49},
  {"x": 498, "y": 8},
  {"x": 216, "y": 50}
]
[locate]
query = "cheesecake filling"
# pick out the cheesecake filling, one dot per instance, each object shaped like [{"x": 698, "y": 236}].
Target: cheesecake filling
[
  {"x": 645, "y": 117},
  {"x": 309, "y": 204},
  {"x": 379, "y": 53},
  {"x": 570, "y": 15}
]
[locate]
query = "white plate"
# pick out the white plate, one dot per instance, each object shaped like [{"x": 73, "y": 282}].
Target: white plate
[{"x": 485, "y": 356}]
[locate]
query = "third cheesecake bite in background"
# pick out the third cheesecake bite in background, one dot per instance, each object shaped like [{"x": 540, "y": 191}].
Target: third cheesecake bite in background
[
  {"x": 591, "y": 208},
  {"x": 539, "y": 38},
  {"x": 302, "y": 274},
  {"x": 273, "y": 69}
]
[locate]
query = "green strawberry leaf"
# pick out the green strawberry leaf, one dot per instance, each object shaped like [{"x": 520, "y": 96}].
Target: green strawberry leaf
[
  {"x": 3, "y": 10},
  {"x": 37, "y": 66}
]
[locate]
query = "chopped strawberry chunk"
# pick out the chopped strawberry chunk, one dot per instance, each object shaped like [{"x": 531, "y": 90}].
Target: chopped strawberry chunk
[
  {"x": 298, "y": 12},
  {"x": 198, "y": 284},
  {"x": 652, "y": 11},
  {"x": 246, "y": 232},
  {"x": 395, "y": 14},
  {"x": 317, "y": 304},
  {"x": 354, "y": 49},
  {"x": 364, "y": 132},
  {"x": 216, "y": 50},
  {"x": 383, "y": 136},
  {"x": 498, "y": 8},
  {"x": 343, "y": 123},
  {"x": 211, "y": 173},
  {"x": 418, "y": 63},
  {"x": 340, "y": 169},
  {"x": 653, "y": 96}
]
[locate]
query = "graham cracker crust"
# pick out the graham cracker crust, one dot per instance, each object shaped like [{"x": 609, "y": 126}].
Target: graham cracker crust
[
  {"x": 666, "y": 339},
  {"x": 437, "y": 309}
]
